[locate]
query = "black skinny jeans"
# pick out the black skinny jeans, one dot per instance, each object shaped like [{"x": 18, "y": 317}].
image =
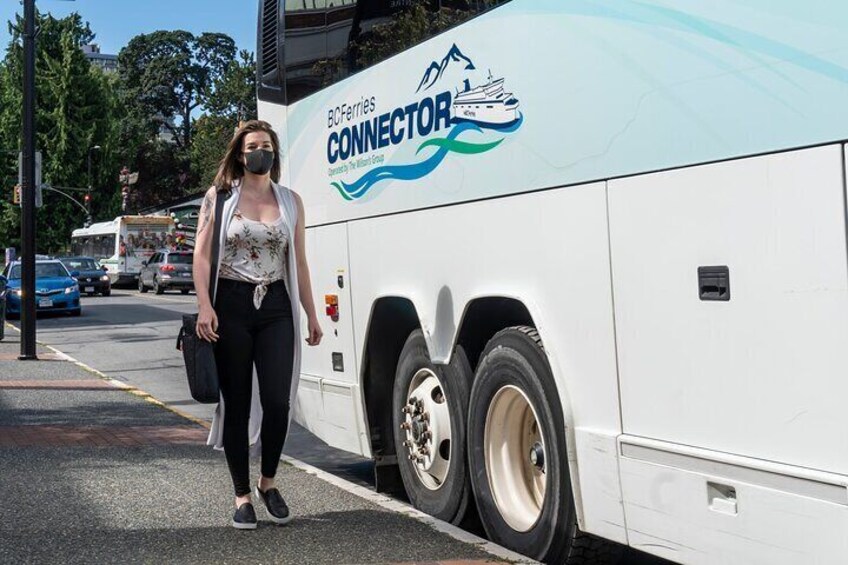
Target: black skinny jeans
[{"x": 264, "y": 337}]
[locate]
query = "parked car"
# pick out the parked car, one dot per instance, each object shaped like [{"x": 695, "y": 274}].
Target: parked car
[
  {"x": 92, "y": 277},
  {"x": 55, "y": 289},
  {"x": 166, "y": 270}
]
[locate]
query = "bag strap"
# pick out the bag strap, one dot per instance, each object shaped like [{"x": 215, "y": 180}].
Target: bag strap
[{"x": 220, "y": 198}]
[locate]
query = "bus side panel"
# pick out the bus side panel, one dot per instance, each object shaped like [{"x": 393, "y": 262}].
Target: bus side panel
[
  {"x": 328, "y": 403},
  {"x": 605, "y": 88},
  {"x": 762, "y": 374},
  {"x": 756, "y": 383},
  {"x": 548, "y": 250}
]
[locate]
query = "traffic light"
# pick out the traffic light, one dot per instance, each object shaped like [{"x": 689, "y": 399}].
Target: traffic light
[
  {"x": 16, "y": 195},
  {"x": 87, "y": 201}
]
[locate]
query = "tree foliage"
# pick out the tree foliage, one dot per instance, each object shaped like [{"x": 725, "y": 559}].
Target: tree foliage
[
  {"x": 76, "y": 110},
  {"x": 169, "y": 74},
  {"x": 168, "y": 114},
  {"x": 234, "y": 100}
]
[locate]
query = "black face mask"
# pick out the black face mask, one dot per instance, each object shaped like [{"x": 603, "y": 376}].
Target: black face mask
[{"x": 260, "y": 161}]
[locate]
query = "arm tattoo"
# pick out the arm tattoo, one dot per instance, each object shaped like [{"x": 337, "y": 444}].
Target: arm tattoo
[{"x": 206, "y": 214}]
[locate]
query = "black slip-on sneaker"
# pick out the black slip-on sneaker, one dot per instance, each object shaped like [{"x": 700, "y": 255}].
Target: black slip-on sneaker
[
  {"x": 277, "y": 509},
  {"x": 245, "y": 517}
]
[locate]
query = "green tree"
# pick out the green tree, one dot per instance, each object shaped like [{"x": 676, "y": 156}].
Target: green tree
[
  {"x": 166, "y": 79},
  {"x": 233, "y": 99},
  {"x": 75, "y": 111},
  {"x": 169, "y": 74}
]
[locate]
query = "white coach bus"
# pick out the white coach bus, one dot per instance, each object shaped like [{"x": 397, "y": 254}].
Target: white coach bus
[
  {"x": 584, "y": 264},
  {"x": 122, "y": 244}
]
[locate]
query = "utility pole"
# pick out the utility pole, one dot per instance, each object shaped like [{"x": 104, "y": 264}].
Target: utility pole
[
  {"x": 28, "y": 313},
  {"x": 88, "y": 196}
]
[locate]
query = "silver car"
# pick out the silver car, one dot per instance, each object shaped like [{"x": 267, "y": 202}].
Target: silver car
[{"x": 167, "y": 270}]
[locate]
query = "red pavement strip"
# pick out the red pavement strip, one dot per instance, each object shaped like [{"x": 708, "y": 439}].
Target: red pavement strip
[
  {"x": 86, "y": 384},
  {"x": 100, "y": 436}
]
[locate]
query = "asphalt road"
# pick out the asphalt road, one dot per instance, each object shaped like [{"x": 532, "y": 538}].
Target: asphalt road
[{"x": 131, "y": 337}]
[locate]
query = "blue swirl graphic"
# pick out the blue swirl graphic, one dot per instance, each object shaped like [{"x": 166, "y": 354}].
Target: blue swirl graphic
[{"x": 414, "y": 171}]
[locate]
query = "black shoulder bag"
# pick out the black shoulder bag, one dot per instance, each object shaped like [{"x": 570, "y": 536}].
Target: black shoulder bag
[{"x": 199, "y": 354}]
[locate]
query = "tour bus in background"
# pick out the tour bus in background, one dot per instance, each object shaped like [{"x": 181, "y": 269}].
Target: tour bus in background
[
  {"x": 583, "y": 263},
  {"x": 121, "y": 245}
]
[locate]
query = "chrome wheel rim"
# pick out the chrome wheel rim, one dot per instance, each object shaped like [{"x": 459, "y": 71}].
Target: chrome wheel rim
[
  {"x": 514, "y": 452},
  {"x": 427, "y": 429}
]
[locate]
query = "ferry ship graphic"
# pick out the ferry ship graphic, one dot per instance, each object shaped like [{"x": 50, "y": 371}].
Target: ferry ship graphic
[{"x": 486, "y": 105}]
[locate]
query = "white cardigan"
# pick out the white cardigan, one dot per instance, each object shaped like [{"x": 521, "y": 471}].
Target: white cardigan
[{"x": 289, "y": 214}]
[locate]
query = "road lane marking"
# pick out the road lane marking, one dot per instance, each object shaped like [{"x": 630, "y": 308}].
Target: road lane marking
[
  {"x": 347, "y": 486},
  {"x": 165, "y": 299}
]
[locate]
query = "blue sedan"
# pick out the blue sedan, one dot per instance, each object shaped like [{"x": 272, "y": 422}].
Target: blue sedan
[{"x": 55, "y": 289}]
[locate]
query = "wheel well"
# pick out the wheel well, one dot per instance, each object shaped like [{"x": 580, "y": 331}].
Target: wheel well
[
  {"x": 392, "y": 320},
  {"x": 484, "y": 317}
]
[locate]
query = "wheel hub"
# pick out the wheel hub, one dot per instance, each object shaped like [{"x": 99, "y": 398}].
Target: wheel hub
[
  {"x": 537, "y": 456},
  {"x": 426, "y": 422},
  {"x": 514, "y": 448}
]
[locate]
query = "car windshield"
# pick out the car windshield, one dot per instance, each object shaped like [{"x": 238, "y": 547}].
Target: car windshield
[
  {"x": 80, "y": 264},
  {"x": 181, "y": 258},
  {"x": 42, "y": 271}
]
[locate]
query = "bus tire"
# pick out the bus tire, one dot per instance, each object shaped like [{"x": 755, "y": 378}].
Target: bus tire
[
  {"x": 439, "y": 485},
  {"x": 517, "y": 455}
]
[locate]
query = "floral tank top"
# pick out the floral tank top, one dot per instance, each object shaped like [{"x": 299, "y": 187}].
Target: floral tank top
[{"x": 255, "y": 252}]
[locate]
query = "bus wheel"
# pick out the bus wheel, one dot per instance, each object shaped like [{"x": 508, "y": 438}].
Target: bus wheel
[
  {"x": 517, "y": 455},
  {"x": 430, "y": 403},
  {"x": 141, "y": 286}
]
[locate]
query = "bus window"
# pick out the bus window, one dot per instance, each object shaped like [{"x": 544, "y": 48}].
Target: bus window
[{"x": 306, "y": 45}]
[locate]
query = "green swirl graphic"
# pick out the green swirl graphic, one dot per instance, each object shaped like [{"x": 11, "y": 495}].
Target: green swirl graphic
[
  {"x": 338, "y": 187},
  {"x": 457, "y": 146}
]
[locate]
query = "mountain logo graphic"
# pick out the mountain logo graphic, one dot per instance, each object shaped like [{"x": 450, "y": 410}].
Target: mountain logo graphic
[
  {"x": 471, "y": 119},
  {"x": 435, "y": 71}
]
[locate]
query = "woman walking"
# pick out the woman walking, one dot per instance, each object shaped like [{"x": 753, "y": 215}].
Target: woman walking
[{"x": 253, "y": 316}]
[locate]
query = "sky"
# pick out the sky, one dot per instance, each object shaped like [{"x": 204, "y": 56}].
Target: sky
[{"x": 117, "y": 21}]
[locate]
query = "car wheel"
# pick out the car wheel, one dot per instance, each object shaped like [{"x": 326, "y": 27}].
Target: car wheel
[
  {"x": 517, "y": 455},
  {"x": 184, "y": 291},
  {"x": 77, "y": 312},
  {"x": 89, "y": 294},
  {"x": 141, "y": 288},
  {"x": 430, "y": 404},
  {"x": 158, "y": 288},
  {"x": 107, "y": 292}
]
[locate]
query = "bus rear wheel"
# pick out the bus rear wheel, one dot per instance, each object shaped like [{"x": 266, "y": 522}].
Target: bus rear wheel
[
  {"x": 429, "y": 409},
  {"x": 517, "y": 455}
]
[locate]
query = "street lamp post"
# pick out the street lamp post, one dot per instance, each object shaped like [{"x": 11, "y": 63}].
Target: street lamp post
[{"x": 28, "y": 314}]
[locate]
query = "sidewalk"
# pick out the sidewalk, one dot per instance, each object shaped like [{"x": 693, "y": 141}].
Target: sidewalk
[{"x": 91, "y": 473}]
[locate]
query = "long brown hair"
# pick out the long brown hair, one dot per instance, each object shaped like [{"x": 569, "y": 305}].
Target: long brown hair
[{"x": 231, "y": 169}]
